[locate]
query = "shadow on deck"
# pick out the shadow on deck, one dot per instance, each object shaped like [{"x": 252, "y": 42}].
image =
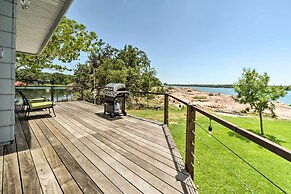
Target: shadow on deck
[{"x": 81, "y": 151}]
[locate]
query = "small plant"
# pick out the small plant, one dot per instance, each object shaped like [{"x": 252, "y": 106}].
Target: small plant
[
  {"x": 247, "y": 110},
  {"x": 88, "y": 96},
  {"x": 199, "y": 97}
]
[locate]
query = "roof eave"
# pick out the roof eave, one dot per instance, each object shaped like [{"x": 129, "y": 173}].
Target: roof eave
[{"x": 55, "y": 25}]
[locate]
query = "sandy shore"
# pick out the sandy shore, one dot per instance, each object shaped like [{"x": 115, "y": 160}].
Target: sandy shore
[{"x": 224, "y": 104}]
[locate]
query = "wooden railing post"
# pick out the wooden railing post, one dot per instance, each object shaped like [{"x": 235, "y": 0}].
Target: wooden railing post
[
  {"x": 166, "y": 109},
  {"x": 190, "y": 140},
  {"x": 52, "y": 93}
]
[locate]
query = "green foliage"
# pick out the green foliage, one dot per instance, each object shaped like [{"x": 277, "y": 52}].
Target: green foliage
[
  {"x": 65, "y": 45},
  {"x": 29, "y": 76},
  {"x": 88, "y": 96},
  {"x": 82, "y": 77},
  {"x": 253, "y": 89},
  {"x": 199, "y": 97},
  {"x": 128, "y": 65}
]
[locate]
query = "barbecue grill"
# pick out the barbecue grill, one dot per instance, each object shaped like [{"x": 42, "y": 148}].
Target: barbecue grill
[{"x": 113, "y": 93}]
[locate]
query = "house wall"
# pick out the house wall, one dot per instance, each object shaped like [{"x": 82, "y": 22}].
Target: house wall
[{"x": 7, "y": 69}]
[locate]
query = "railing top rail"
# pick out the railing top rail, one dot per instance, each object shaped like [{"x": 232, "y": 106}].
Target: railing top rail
[
  {"x": 45, "y": 87},
  {"x": 159, "y": 93},
  {"x": 182, "y": 101},
  {"x": 38, "y": 86},
  {"x": 141, "y": 92},
  {"x": 273, "y": 147}
]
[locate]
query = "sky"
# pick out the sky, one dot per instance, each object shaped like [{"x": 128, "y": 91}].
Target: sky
[{"x": 197, "y": 41}]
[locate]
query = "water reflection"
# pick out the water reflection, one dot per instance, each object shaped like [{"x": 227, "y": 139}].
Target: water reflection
[{"x": 59, "y": 93}]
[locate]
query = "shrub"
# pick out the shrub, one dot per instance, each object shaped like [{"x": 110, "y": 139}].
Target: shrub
[{"x": 199, "y": 97}]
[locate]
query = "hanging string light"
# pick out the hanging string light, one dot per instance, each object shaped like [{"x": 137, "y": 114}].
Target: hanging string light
[
  {"x": 210, "y": 129},
  {"x": 25, "y": 4}
]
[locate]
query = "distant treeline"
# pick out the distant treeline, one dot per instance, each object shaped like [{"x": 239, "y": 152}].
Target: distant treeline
[
  {"x": 210, "y": 85},
  {"x": 28, "y": 76}
]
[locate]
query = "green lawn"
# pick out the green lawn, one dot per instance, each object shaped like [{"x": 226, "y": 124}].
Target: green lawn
[{"x": 219, "y": 170}]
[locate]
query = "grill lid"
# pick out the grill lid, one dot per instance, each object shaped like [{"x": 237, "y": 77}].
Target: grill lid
[{"x": 115, "y": 87}]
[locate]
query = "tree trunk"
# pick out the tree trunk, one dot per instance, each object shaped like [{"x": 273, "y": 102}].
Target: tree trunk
[{"x": 261, "y": 123}]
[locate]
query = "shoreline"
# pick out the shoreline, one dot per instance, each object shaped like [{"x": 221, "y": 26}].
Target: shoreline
[
  {"x": 225, "y": 104},
  {"x": 231, "y": 91},
  {"x": 288, "y": 88}
]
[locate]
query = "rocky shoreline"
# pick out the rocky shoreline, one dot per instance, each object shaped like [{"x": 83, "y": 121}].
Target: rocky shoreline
[{"x": 224, "y": 104}]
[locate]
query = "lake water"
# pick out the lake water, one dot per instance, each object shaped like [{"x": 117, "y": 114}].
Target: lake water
[
  {"x": 230, "y": 91},
  {"x": 60, "y": 93}
]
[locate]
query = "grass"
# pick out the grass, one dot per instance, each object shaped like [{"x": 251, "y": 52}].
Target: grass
[{"x": 212, "y": 172}]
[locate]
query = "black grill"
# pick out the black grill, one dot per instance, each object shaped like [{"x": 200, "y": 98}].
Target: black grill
[{"x": 113, "y": 94}]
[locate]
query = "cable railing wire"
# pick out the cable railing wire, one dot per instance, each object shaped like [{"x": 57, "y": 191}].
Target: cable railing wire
[
  {"x": 213, "y": 169},
  {"x": 240, "y": 157},
  {"x": 221, "y": 161},
  {"x": 204, "y": 172}
]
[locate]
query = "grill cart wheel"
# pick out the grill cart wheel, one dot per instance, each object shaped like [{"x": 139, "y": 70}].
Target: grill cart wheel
[
  {"x": 124, "y": 113},
  {"x": 111, "y": 115}
]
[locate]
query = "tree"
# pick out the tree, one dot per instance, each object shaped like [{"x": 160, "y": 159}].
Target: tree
[
  {"x": 27, "y": 76},
  {"x": 129, "y": 65},
  {"x": 82, "y": 77},
  {"x": 65, "y": 45},
  {"x": 253, "y": 89}
]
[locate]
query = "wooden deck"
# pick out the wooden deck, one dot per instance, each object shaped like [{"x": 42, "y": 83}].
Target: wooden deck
[{"x": 82, "y": 151}]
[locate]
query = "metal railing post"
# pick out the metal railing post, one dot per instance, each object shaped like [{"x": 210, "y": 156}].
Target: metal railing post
[
  {"x": 52, "y": 93},
  {"x": 190, "y": 140},
  {"x": 166, "y": 109}
]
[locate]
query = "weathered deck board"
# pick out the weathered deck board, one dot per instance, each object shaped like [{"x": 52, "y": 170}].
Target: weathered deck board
[
  {"x": 132, "y": 133},
  {"x": 86, "y": 184},
  {"x": 61, "y": 173},
  {"x": 74, "y": 149},
  {"x": 29, "y": 178},
  {"x": 153, "y": 162},
  {"x": 82, "y": 151},
  {"x": 99, "y": 158},
  {"x": 11, "y": 175},
  {"x": 145, "y": 170},
  {"x": 1, "y": 166},
  {"x": 137, "y": 152},
  {"x": 141, "y": 150},
  {"x": 46, "y": 175},
  {"x": 115, "y": 160}
]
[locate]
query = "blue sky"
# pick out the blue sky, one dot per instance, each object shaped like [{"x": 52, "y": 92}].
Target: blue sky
[{"x": 197, "y": 41}]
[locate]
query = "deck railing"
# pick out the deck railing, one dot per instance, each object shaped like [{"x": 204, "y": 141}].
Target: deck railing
[
  {"x": 192, "y": 124},
  {"x": 52, "y": 92},
  {"x": 190, "y": 132}
]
